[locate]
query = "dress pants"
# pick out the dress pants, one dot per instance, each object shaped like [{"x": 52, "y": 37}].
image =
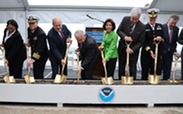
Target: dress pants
[{"x": 15, "y": 69}]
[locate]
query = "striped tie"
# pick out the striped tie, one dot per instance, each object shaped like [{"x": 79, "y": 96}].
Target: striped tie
[{"x": 131, "y": 28}]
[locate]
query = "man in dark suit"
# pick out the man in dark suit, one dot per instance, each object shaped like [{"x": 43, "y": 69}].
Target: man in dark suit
[
  {"x": 170, "y": 43},
  {"x": 89, "y": 54},
  {"x": 58, "y": 36},
  {"x": 180, "y": 40},
  {"x": 39, "y": 50},
  {"x": 131, "y": 29},
  {"x": 153, "y": 33}
]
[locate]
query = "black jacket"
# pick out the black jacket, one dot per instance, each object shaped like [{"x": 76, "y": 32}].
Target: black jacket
[
  {"x": 89, "y": 53},
  {"x": 150, "y": 35},
  {"x": 15, "y": 51},
  {"x": 37, "y": 41}
]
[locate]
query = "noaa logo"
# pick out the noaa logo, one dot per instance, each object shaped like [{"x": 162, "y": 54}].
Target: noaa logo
[{"x": 106, "y": 94}]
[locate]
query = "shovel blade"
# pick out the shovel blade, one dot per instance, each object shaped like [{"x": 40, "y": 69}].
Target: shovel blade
[
  {"x": 110, "y": 80},
  {"x": 154, "y": 79},
  {"x": 27, "y": 79},
  {"x": 12, "y": 79},
  {"x": 104, "y": 81},
  {"x": 127, "y": 80},
  {"x": 6, "y": 79},
  {"x": 57, "y": 78},
  {"x": 174, "y": 81},
  {"x": 63, "y": 78},
  {"x": 32, "y": 80}
]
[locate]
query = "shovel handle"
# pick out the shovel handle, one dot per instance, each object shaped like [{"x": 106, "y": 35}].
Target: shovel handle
[
  {"x": 175, "y": 68},
  {"x": 128, "y": 44},
  {"x": 127, "y": 58},
  {"x": 66, "y": 54},
  {"x": 176, "y": 58},
  {"x": 104, "y": 65},
  {"x": 156, "y": 42},
  {"x": 78, "y": 75},
  {"x": 67, "y": 50},
  {"x": 1, "y": 49},
  {"x": 27, "y": 52},
  {"x": 3, "y": 53},
  {"x": 4, "y": 58},
  {"x": 156, "y": 56},
  {"x": 28, "y": 67},
  {"x": 69, "y": 44},
  {"x": 7, "y": 69}
]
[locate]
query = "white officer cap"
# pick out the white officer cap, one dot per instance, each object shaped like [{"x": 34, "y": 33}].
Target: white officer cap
[
  {"x": 33, "y": 19},
  {"x": 153, "y": 12}
]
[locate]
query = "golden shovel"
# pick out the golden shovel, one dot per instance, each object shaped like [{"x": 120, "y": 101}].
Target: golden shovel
[
  {"x": 174, "y": 72},
  {"x": 106, "y": 80},
  {"x": 78, "y": 67},
  {"x": 62, "y": 78},
  {"x": 155, "y": 79},
  {"x": 28, "y": 78},
  {"x": 7, "y": 78},
  {"x": 127, "y": 79}
]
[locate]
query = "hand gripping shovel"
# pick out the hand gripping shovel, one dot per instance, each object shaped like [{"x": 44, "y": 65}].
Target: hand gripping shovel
[
  {"x": 28, "y": 78},
  {"x": 78, "y": 75},
  {"x": 106, "y": 80},
  {"x": 62, "y": 78},
  {"x": 127, "y": 79},
  {"x": 155, "y": 79},
  {"x": 78, "y": 66},
  {"x": 7, "y": 78},
  {"x": 174, "y": 72}
]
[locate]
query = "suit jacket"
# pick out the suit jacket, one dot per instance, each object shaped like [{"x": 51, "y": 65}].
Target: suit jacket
[
  {"x": 15, "y": 51},
  {"x": 110, "y": 45},
  {"x": 89, "y": 53},
  {"x": 137, "y": 34},
  {"x": 37, "y": 41},
  {"x": 150, "y": 35},
  {"x": 180, "y": 38},
  {"x": 167, "y": 45},
  {"x": 57, "y": 44}
]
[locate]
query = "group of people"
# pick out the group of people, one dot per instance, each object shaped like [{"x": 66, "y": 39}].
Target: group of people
[
  {"x": 134, "y": 35},
  {"x": 157, "y": 41}
]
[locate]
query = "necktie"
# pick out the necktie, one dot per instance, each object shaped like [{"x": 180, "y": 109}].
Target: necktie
[
  {"x": 153, "y": 26},
  {"x": 131, "y": 28},
  {"x": 61, "y": 34},
  {"x": 170, "y": 35}
]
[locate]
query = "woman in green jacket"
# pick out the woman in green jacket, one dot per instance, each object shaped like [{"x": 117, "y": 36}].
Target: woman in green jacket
[{"x": 109, "y": 46}]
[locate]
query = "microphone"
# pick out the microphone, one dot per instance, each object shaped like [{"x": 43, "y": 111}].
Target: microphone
[
  {"x": 89, "y": 17},
  {"x": 94, "y": 18}
]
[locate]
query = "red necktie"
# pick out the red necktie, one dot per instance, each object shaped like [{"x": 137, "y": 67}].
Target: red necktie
[{"x": 61, "y": 34}]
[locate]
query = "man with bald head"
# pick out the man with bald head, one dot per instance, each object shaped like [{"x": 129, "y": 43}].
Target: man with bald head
[{"x": 58, "y": 36}]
